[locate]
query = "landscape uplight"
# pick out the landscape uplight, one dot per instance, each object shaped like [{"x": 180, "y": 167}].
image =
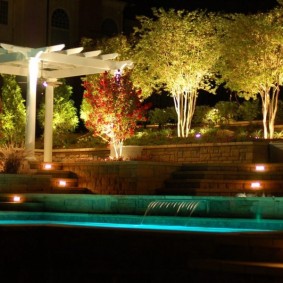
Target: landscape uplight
[
  {"x": 255, "y": 185},
  {"x": 260, "y": 168},
  {"x": 17, "y": 199},
  {"x": 62, "y": 183},
  {"x": 47, "y": 166}
]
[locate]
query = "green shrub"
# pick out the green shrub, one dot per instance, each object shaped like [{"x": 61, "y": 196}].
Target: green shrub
[
  {"x": 227, "y": 110},
  {"x": 200, "y": 114},
  {"x": 249, "y": 110}
]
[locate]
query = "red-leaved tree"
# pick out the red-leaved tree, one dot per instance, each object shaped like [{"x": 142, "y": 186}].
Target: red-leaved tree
[{"x": 114, "y": 108}]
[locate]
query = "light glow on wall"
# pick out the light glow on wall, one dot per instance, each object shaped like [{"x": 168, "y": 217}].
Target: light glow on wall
[
  {"x": 17, "y": 199},
  {"x": 255, "y": 185},
  {"x": 260, "y": 168},
  {"x": 47, "y": 166},
  {"x": 62, "y": 183}
]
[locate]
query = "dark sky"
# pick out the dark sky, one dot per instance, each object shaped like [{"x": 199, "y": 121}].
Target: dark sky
[{"x": 143, "y": 7}]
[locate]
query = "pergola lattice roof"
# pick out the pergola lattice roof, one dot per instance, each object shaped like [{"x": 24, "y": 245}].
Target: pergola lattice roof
[
  {"x": 51, "y": 63},
  {"x": 56, "y": 62}
]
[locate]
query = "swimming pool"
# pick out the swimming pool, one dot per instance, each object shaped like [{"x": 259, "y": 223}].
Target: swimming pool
[
  {"x": 78, "y": 238},
  {"x": 153, "y": 223}
]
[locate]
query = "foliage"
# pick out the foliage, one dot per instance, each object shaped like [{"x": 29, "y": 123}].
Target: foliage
[
  {"x": 251, "y": 61},
  {"x": 13, "y": 113},
  {"x": 200, "y": 115},
  {"x": 118, "y": 44},
  {"x": 227, "y": 110},
  {"x": 65, "y": 117},
  {"x": 176, "y": 51},
  {"x": 249, "y": 110},
  {"x": 115, "y": 108},
  {"x": 213, "y": 117},
  {"x": 11, "y": 158},
  {"x": 162, "y": 116}
]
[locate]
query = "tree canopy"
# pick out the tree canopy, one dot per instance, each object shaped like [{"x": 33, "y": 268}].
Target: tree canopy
[
  {"x": 177, "y": 51},
  {"x": 252, "y": 60},
  {"x": 113, "y": 108}
]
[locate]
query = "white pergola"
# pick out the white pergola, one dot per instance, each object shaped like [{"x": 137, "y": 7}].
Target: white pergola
[{"x": 50, "y": 63}]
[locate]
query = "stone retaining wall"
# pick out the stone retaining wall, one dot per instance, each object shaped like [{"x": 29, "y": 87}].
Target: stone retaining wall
[
  {"x": 244, "y": 152},
  {"x": 124, "y": 178},
  {"x": 25, "y": 183}
]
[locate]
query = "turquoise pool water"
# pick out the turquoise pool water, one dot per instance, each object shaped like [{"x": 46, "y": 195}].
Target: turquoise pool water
[
  {"x": 133, "y": 226},
  {"x": 155, "y": 223}
]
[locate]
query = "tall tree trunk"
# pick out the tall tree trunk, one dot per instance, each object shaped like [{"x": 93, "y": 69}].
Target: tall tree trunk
[
  {"x": 265, "y": 107},
  {"x": 273, "y": 106},
  {"x": 185, "y": 103},
  {"x": 118, "y": 148}
]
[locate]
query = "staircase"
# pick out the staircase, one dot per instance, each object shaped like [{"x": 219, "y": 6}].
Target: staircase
[
  {"x": 225, "y": 180},
  {"x": 62, "y": 181}
]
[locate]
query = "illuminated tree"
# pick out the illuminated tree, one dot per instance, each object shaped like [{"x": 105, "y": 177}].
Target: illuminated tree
[
  {"x": 13, "y": 112},
  {"x": 114, "y": 108},
  {"x": 252, "y": 60},
  {"x": 65, "y": 118},
  {"x": 177, "y": 51}
]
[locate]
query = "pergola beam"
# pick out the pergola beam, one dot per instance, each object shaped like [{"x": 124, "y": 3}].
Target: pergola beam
[
  {"x": 76, "y": 60},
  {"x": 70, "y": 72}
]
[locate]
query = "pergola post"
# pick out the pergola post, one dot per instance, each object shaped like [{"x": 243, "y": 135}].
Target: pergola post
[
  {"x": 31, "y": 108},
  {"x": 48, "y": 124}
]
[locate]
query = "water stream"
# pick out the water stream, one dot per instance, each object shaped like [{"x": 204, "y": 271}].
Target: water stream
[{"x": 172, "y": 208}]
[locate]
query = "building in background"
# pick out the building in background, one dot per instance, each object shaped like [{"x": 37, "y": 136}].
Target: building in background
[{"x": 36, "y": 23}]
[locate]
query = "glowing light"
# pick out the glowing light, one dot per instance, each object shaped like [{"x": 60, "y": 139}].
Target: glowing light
[
  {"x": 45, "y": 84},
  {"x": 47, "y": 166},
  {"x": 255, "y": 185},
  {"x": 17, "y": 199},
  {"x": 62, "y": 183},
  {"x": 198, "y": 135},
  {"x": 260, "y": 168}
]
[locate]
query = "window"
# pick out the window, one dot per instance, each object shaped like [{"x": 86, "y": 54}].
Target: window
[
  {"x": 60, "y": 19},
  {"x": 4, "y": 12}
]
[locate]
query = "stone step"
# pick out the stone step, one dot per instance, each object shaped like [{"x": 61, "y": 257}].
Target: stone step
[
  {"x": 45, "y": 165},
  {"x": 231, "y": 192},
  {"x": 225, "y": 180},
  {"x": 183, "y": 175},
  {"x": 224, "y": 184},
  {"x": 71, "y": 190},
  {"x": 64, "y": 182},
  {"x": 57, "y": 173},
  {"x": 235, "y": 167}
]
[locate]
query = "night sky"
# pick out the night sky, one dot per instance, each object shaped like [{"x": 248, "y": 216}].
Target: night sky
[{"x": 139, "y": 7}]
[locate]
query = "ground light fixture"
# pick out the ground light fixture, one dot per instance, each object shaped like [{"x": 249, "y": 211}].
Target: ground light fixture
[
  {"x": 260, "y": 168},
  {"x": 16, "y": 199},
  {"x": 47, "y": 166},
  {"x": 256, "y": 185},
  {"x": 62, "y": 183}
]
